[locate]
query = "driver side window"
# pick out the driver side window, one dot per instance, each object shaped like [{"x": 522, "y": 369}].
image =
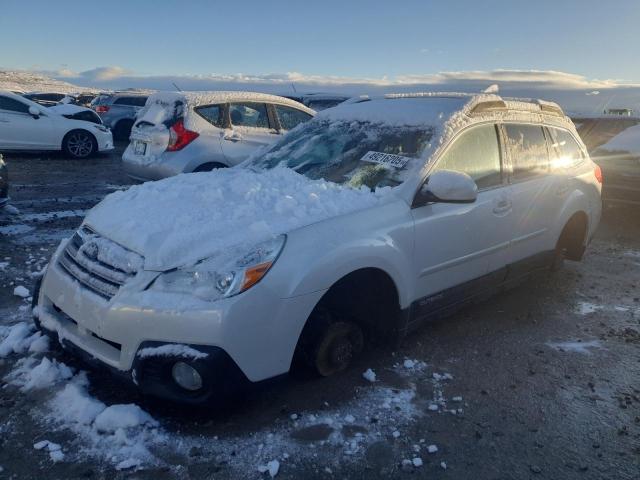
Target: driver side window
[{"x": 477, "y": 153}]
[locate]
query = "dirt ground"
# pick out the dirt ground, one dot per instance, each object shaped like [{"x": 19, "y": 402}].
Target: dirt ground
[{"x": 544, "y": 380}]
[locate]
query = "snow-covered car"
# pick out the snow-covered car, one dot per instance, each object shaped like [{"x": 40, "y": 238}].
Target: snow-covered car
[
  {"x": 319, "y": 101},
  {"x": 25, "y": 125},
  {"x": 199, "y": 131},
  {"x": 47, "y": 99},
  {"x": 4, "y": 182},
  {"x": 355, "y": 227}
]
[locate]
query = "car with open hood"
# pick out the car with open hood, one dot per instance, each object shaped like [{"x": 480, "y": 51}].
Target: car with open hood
[
  {"x": 356, "y": 226},
  {"x": 26, "y": 125}
]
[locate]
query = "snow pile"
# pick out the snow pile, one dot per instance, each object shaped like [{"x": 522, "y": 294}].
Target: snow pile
[
  {"x": 369, "y": 375},
  {"x": 20, "y": 338},
  {"x": 31, "y": 375},
  {"x": 626, "y": 141},
  {"x": 120, "y": 434},
  {"x": 55, "y": 450},
  {"x": 21, "y": 291},
  {"x": 183, "y": 219},
  {"x": 273, "y": 467}
]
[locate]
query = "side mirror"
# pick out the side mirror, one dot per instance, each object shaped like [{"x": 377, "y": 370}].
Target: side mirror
[
  {"x": 449, "y": 186},
  {"x": 34, "y": 112}
]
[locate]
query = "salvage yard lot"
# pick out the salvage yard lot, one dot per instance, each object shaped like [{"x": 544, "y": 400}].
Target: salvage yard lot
[{"x": 538, "y": 382}]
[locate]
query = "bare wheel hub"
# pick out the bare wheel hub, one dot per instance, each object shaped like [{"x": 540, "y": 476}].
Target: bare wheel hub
[{"x": 340, "y": 342}]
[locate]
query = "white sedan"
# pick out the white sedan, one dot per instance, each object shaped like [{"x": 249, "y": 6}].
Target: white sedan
[{"x": 25, "y": 125}]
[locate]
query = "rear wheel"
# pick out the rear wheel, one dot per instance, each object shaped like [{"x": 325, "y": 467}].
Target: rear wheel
[
  {"x": 79, "y": 144},
  {"x": 207, "y": 167}
]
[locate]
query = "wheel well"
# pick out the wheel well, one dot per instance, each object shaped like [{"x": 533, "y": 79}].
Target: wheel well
[
  {"x": 66, "y": 135},
  {"x": 368, "y": 297},
  {"x": 573, "y": 236},
  {"x": 207, "y": 167}
]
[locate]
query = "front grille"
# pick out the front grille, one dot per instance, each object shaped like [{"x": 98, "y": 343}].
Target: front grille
[{"x": 102, "y": 274}]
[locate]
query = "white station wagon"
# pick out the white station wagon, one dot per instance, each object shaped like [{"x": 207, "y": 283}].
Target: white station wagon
[
  {"x": 184, "y": 132},
  {"x": 358, "y": 225}
]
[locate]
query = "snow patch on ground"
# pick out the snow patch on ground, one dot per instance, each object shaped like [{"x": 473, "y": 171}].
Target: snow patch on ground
[
  {"x": 576, "y": 346},
  {"x": 585, "y": 308}
]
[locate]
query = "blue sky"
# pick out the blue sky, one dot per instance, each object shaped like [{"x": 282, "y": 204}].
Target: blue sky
[{"x": 343, "y": 38}]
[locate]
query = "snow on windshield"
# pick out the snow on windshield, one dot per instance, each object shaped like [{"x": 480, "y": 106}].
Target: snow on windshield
[{"x": 355, "y": 153}]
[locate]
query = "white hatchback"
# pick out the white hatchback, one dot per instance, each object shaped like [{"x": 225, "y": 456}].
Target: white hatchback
[
  {"x": 25, "y": 125},
  {"x": 358, "y": 225},
  {"x": 199, "y": 131}
]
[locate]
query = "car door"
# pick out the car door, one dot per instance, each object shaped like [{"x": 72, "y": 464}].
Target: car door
[
  {"x": 533, "y": 196},
  {"x": 21, "y": 130},
  {"x": 250, "y": 128},
  {"x": 461, "y": 250}
]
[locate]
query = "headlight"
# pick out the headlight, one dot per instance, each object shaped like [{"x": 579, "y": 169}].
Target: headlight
[
  {"x": 102, "y": 128},
  {"x": 224, "y": 275}
]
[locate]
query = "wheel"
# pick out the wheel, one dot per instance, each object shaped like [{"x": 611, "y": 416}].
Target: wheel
[
  {"x": 328, "y": 345},
  {"x": 79, "y": 144},
  {"x": 207, "y": 167},
  {"x": 122, "y": 130}
]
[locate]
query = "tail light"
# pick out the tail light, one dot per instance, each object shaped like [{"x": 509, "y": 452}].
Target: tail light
[
  {"x": 597, "y": 171},
  {"x": 180, "y": 137},
  {"x": 102, "y": 109}
]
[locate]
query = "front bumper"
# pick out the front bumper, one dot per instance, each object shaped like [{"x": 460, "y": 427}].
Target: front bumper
[
  {"x": 105, "y": 141},
  {"x": 256, "y": 330}
]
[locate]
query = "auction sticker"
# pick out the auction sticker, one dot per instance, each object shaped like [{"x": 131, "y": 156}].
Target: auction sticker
[{"x": 386, "y": 159}]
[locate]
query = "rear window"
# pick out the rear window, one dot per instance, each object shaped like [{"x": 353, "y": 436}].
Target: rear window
[
  {"x": 566, "y": 151},
  {"x": 211, "y": 113},
  {"x": 528, "y": 148},
  {"x": 100, "y": 100},
  {"x": 133, "y": 101}
]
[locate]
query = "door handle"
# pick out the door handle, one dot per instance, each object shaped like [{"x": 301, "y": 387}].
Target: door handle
[
  {"x": 502, "y": 206},
  {"x": 234, "y": 137}
]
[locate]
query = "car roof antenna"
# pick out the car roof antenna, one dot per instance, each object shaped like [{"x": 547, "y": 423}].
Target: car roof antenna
[
  {"x": 294, "y": 88},
  {"x": 177, "y": 87}
]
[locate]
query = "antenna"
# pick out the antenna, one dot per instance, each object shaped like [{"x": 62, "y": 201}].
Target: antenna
[
  {"x": 294, "y": 88},
  {"x": 177, "y": 87}
]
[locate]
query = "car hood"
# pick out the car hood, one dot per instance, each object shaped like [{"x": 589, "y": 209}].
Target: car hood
[{"x": 181, "y": 220}]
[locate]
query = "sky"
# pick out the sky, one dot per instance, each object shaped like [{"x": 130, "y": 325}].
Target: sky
[{"x": 356, "y": 39}]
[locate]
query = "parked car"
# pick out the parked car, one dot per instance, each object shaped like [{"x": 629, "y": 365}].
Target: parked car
[
  {"x": 25, "y": 125},
  {"x": 85, "y": 98},
  {"x": 118, "y": 111},
  {"x": 355, "y": 227},
  {"x": 47, "y": 99},
  {"x": 4, "y": 182},
  {"x": 199, "y": 131}
]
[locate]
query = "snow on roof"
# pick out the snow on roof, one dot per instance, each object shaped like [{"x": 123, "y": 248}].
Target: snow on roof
[
  {"x": 209, "y": 97},
  {"x": 626, "y": 141}
]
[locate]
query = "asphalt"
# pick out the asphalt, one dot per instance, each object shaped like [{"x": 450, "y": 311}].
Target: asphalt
[{"x": 548, "y": 373}]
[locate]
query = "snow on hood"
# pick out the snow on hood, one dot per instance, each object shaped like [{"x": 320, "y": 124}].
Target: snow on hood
[{"x": 183, "y": 219}]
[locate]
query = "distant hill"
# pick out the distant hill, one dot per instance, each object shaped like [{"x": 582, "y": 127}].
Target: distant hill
[{"x": 30, "y": 82}]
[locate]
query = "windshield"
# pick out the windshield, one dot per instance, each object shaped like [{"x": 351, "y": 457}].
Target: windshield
[{"x": 349, "y": 152}]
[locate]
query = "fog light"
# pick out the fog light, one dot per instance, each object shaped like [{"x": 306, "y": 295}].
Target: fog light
[{"x": 186, "y": 376}]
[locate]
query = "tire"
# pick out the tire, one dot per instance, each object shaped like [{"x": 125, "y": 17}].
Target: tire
[
  {"x": 122, "y": 130},
  {"x": 328, "y": 344},
  {"x": 79, "y": 144},
  {"x": 208, "y": 167}
]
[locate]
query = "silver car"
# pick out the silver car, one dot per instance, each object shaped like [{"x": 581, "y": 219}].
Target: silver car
[
  {"x": 118, "y": 111},
  {"x": 184, "y": 132}
]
